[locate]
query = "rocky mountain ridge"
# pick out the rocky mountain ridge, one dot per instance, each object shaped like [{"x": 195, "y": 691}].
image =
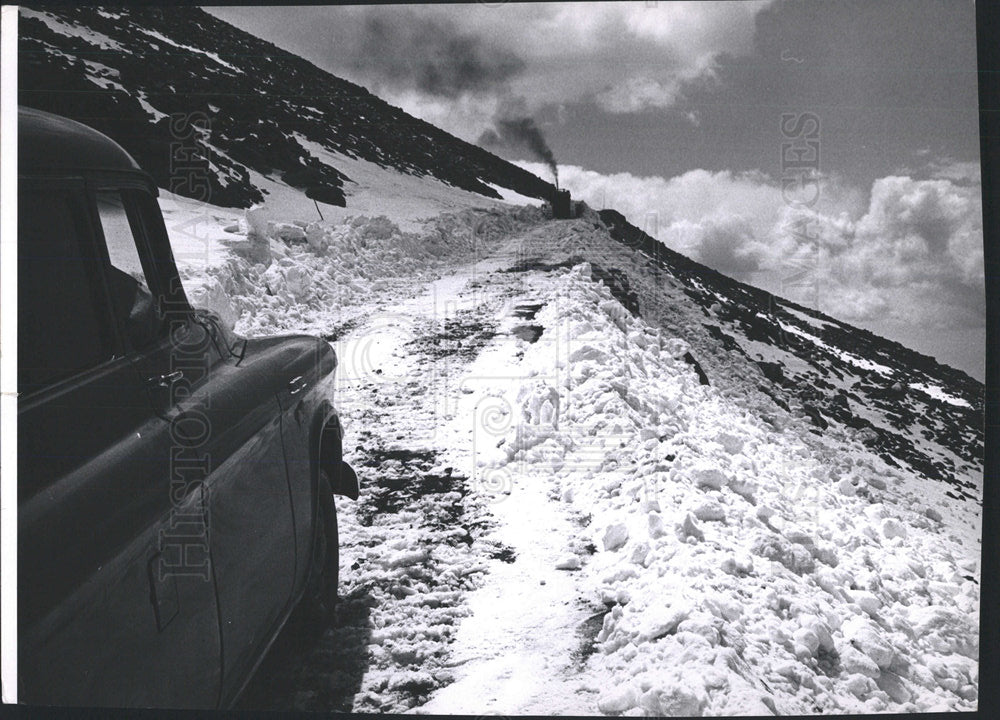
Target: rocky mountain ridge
[{"x": 209, "y": 109}]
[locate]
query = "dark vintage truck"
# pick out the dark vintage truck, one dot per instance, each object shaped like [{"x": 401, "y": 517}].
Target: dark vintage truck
[{"x": 175, "y": 481}]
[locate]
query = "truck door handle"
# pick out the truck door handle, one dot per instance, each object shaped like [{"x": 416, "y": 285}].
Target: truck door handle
[
  {"x": 167, "y": 379},
  {"x": 296, "y": 385}
]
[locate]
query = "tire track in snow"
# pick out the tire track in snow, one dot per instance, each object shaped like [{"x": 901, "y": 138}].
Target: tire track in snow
[
  {"x": 408, "y": 546},
  {"x": 527, "y": 645}
]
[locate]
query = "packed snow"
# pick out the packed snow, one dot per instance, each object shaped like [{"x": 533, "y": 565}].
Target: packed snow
[
  {"x": 626, "y": 540},
  {"x": 746, "y": 570}
]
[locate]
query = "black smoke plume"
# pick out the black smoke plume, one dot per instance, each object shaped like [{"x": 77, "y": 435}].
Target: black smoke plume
[
  {"x": 403, "y": 49},
  {"x": 521, "y": 133}
]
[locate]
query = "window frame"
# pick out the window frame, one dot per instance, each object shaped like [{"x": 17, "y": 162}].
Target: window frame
[
  {"x": 82, "y": 208},
  {"x": 138, "y": 225},
  {"x": 162, "y": 263},
  {"x": 127, "y": 191}
]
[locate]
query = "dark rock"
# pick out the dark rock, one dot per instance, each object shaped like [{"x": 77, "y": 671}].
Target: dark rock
[
  {"x": 690, "y": 360},
  {"x": 772, "y": 371},
  {"x": 815, "y": 416}
]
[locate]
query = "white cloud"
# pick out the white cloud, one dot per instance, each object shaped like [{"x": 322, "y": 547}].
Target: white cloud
[
  {"x": 696, "y": 28},
  {"x": 639, "y": 92},
  {"x": 728, "y": 245},
  {"x": 942, "y": 168}
]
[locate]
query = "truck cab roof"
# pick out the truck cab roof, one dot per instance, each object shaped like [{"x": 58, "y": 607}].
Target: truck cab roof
[{"x": 50, "y": 143}]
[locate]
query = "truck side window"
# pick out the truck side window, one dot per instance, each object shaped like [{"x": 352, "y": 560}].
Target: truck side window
[
  {"x": 129, "y": 287},
  {"x": 64, "y": 324}
]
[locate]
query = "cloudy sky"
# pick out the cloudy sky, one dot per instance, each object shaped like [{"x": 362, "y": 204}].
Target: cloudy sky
[{"x": 672, "y": 113}]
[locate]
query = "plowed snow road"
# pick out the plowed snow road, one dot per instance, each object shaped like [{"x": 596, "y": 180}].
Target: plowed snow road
[{"x": 449, "y": 599}]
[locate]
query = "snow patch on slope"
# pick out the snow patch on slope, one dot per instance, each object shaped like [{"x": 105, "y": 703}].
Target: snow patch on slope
[
  {"x": 405, "y": 199},
  {"x": 206, "y": 53},
  {"x": 64, "y": 28},
  {"x": 938, "y": 394},
  {"x": 515, "y": 198}
]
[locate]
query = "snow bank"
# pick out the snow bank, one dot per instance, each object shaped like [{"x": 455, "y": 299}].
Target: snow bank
[
  {"x": 313, "y": 277},
  {"x": 742, "y": 571}
]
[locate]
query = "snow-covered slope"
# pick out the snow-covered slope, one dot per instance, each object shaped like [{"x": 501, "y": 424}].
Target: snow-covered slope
[
  {"x": 911, "y": 410},
  {"x": 748, "y": 563},
  {"x": 216, "y": 114}
]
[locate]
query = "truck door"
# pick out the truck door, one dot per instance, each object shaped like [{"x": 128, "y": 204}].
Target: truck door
[
  {"x": 107, "y": 614},
  {"x": 224, "y": 419}
]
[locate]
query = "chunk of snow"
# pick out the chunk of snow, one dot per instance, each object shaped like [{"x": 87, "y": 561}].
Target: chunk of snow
[
  {"x": 710, "y": 511},
  {"x": 867, "y": 601},
  {"x": 407, "y": 558},
  {"x": 731, "y": 443},
  {"x": 678, "y": 692},
  {"x": 876, "y": 482},
  {"x": 892, "y": 528},
  {"x": 688, "y": 529},
  {"x": 618, "y": 700},
  {"x": 639, "y": 553},
  {"x": 212, "y": 296},
  {"x": 867, "y": 638},
  {"x": 615, "y": 536},
  {"x": 776, "y": 548},
  {"x": 846, "y": 487},
  {"x": 820, "y": 629},
  {"x": 859, "y": 683},
  {"x": 740, "y": 564},
  {"x": 289, "y": 232},
  {"x": 663, "y": 620},
  {"x": 316, "y": 237},
  {"x": 708, "y": 477},
  {"x": 765, "y": 513},
  {"x": 894, "y": 686},
  {"x": 798, "y": 535},
  {"x": 656, "y": 527},
  {"x": 568, "y": 562},
  {"x": 743, "y": 487},
  {"x": 856, "y": 662}
]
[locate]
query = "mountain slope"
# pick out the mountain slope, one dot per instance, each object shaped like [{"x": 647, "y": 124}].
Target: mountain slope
[
  {"x": 906, "y": 406},
  {"x": 210, "y": 111}
]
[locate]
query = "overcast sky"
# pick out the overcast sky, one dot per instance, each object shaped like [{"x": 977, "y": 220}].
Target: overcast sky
[{"x": 671, "y": 112}]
